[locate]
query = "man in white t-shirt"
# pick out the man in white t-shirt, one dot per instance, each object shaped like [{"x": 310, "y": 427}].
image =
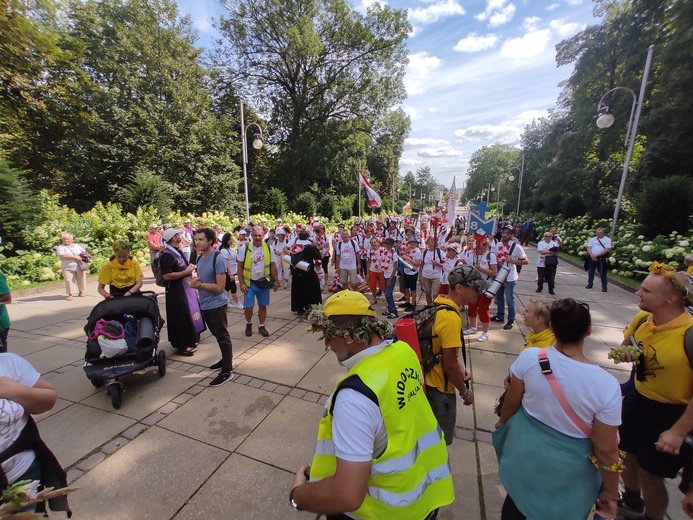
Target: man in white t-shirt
[
  {"x": 598, "y": 248},
  {"x": 509, "y": 253},
  {"x": 346, "y": 258}
]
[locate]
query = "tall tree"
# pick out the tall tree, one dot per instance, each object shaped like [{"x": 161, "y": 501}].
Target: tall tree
[{"x": 309, "y": 63}]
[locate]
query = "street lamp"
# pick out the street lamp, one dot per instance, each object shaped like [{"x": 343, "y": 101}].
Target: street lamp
[
  {"x": 605, "y": 120},
  {"x": 257, "y": 144},
  {"x": 519, "y": 182}
]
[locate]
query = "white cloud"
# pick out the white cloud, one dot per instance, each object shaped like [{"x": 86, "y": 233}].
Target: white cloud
[
  {"x": 552, "y": 7},
  {"x": 506, "y": 132},
  {"x": 531, "y": 44},
  {"x": 444, "y": 151},
  {"x": 530, "y": 23},
  {"x": 433, "y": 110},
  {"x": 565, "y": 29},
  {"x": 574, "y": 2},
  {"x": 363, "y": 5},
  {"x": 421, "y": 65},
  {"x": 412, "y": 142},
  {"x": 498, "y": 12},
  {"x": 404, "y": 163},
  {"x": 434, "y": 12},
  {"x": 474, "y": 43}
]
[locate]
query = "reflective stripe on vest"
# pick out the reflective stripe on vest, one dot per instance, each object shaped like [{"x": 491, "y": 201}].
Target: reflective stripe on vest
[
  {"x": 247, "y": 261},
  {"x": 412, "y": 477}
]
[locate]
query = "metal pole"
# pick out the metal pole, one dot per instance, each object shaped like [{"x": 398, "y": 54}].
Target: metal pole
[
  {"x": 244, "y": 146},
  {"x": 358, "y": 183},
  {"x": 488, "y": 193},
  {"x": 519, "y": 194},
  {"x": 631, "y": 144},
  {"x": 498, "y": 201}
]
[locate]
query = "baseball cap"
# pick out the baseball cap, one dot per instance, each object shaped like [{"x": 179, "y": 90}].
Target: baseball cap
[
  {"x": 348, "y": 303},
  {"x": 242, "y": 232},
  {"x": 153, "y": 226},
  {"x": 280, "y": 231},
  {"x": 455, "y": 247},
  {"x": 170, "y": 233},
  {"x": 390, "y": 241},
  {"x": 467, "y": 275}
]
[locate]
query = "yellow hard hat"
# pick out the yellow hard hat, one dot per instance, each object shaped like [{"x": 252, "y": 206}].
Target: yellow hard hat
[{"x": 348, "y": 303}]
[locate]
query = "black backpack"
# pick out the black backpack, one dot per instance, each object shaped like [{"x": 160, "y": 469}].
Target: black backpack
[
  {"x": 156, "y": 271},
  {"x": 424, "y": 320}
]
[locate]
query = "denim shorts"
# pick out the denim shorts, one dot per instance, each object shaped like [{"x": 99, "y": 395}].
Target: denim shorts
[{"x": 263, "y": 296}]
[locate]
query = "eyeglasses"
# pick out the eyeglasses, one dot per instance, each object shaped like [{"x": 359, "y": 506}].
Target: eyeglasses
[{"x": 547, "y": 236}]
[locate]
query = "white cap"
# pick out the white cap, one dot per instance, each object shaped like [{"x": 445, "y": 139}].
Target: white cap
[
  {"x": 170, "y": 233},
  {"x": 280, "y": 231}
]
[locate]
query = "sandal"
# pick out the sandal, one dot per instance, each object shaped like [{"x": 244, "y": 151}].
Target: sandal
[
  {"x": 187, "y": 351},
  {"x": 82, "y": 295},
  {"x": 69, "y": 297}
]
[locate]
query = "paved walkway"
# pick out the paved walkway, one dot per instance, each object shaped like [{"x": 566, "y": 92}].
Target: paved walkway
[{"x": 179, "y": 449}]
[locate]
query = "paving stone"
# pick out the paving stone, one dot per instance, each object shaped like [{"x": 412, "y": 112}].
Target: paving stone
[
  {"x": 311, "y": 396},
  {"x": 323, "y": 400},
  {"x": 134, "y": 431},
  {"x": 194, "y": 390},
  {"x": 182, "y": 398},
  {"x": 283, "y": 390},
  {"x": 483, "y": 436},
  {"x": 243, "y": 380},
  {"x": 73, "y": 474},
  {"x": 114, "y": 445},
  {"x": 464, "y": 434},
  {"x": 298, "y": 393},
  {"x": 168, "y": 408},
  {"x": 256, "y": 383},
  {"x": 92, "y": 461},
  {"x": 270, "y": 387},
  {"x": 152, "y": 419}
]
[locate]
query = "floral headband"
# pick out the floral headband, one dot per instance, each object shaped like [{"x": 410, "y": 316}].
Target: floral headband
[
  {"x": 669, "y": 273},
  {"x": 319, "y": 321}
]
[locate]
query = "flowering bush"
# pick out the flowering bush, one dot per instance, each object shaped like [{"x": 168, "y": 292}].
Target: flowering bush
[{"x": 631, "y": 254}]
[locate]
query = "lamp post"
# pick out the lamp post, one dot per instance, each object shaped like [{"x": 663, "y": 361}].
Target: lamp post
[
  {"x": 605, "y": 120},
  {"x": 512, "y": 178},
  {"x": 257, "y": 144}
]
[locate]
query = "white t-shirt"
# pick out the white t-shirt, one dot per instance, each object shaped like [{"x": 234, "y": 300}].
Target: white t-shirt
[
  {"x": 13, "y": 417},
  {"x": 591, "y": 391},
  {"x": 429, "y": 270},
  {"x": 541, "y": 246},
  {"x": 502, "y": 251},
  {"x": 448, "y": 265},
  {"x": 231, "y": 259},
  {"x": 347, "y": 252},
  {"x": 596, "y": 247},
  {"x": 414, "y": 254},
  {"x": 485, "y": 260},
  {"x": 257, "y": 263},
  {"x": 388, "y": 262}
]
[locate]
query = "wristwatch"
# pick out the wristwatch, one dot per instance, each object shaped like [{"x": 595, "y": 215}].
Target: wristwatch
[{"x": 292, "y": 502}]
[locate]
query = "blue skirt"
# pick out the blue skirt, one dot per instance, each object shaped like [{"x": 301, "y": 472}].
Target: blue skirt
[{"x": 545, "y": 472}]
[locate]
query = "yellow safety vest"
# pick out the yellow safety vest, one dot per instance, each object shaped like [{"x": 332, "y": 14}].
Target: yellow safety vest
[
  {"x": 412, "y": 477},
  {"x": 248, "y": 260}
]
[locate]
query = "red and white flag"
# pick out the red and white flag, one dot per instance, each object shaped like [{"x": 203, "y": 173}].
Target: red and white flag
[
  {"x": 449, "y": 215},
  {"x": 372, "y": 198},
  {"x": 407, "y": 207}
]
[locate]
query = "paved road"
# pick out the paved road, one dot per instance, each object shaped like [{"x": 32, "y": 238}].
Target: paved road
[{"x": 179, "y": 449}]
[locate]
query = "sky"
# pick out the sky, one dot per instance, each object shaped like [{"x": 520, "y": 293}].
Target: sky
[{"x": 479, "y": 71}]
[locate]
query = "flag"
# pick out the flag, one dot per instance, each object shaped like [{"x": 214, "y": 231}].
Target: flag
[
  {"x": 449, "y": 215},
  {"x": 407, "y": 207},
  {"x": 372, "y": 198}
]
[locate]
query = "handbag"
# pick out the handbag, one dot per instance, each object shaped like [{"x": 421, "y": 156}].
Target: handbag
[
  {"x": 551, "y": 260},
  {"x": 264, "y": 283}
]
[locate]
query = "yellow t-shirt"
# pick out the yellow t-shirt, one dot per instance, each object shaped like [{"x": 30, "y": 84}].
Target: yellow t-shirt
[
  {"x": 668, "y": 374},
  {"x": 543, "y": 339},
  {"x": 447, "y": 333},
  {"x": 120, "y": 275}
]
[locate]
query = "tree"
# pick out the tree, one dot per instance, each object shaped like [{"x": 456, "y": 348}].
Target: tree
[
  {"x": 312, "y": 63},
  {"x": 487, "y": 166},
  {"x": 17, "y": 205},
  {"x": 274, "y": 202}
]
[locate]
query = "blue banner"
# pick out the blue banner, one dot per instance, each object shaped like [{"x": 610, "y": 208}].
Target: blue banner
[{"x": 476, "y": 222}]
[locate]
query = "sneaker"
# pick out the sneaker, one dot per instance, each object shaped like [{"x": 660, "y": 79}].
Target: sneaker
[
  {"x": 404, "y": 305},
  {"x": 240, "y": 305},
  {"x": 551, "y": 292},
  {"x": 508, "y": 325},
  {"x": 603, "y": 289},
  {"x": 219, "y": 364},
  {"x": 498, "y": 319},
  {"x": 248, "y": 329},
  {"x": 538, "y": 290},
  {"x": 379, "y": 293},
  {"x": 470, "y": 330},
  {"x": 402, "y": 299},
  {"x": 483, "y": 337},
  {"x": 392, "y": 316},
  {"x": 588, "y": 286},
  {"x": 385, "y": 313},
  {"x": 633, "y": 511},
  {"x": 263, "y": 331},
  {"x": 222, "y": 378}
]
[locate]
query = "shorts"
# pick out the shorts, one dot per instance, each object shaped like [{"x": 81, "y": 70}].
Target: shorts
[
  {"x": 3, "y": 339},
  {"x": 444, "y": 407},
  {"x": 643, "y": 420},
  {"x": 410, "y": 281},
  {"x": 230, "y": 284},
  {"x": 348, "y": 276},
  {"x": 430, "y": 285},
  {"x": 263, "y": 296}
]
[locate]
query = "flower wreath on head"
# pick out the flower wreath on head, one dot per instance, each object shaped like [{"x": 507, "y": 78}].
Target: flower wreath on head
[
  {"x": 319, "y": 321},
  {"x": 669, "y": 273}
]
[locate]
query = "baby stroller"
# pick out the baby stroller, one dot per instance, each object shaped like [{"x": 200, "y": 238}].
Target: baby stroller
[{"x": 142, "y": 322}]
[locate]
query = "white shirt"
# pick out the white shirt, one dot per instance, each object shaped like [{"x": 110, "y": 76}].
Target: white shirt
[
  {"x": 501, "y": 251},
  {"x": 429, "y": 270},
  {"x": 591, "y": 391},
  {"x": 541, "y": 246},
  {"x": 257, "y": 262},
  {"x": 388, "y": 261},
  {"x": 347, "y": 252},
  {"x": 231, "y": 259},
  {"x": 596, "y": 247},
  {"x": 13, "y": 416},
  {"x": 414, "y": 254},
  {"x": 448, "y": 265}
]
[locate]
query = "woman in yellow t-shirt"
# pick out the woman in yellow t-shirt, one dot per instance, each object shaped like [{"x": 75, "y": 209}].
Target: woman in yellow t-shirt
[{"x": 122, "y": 274}]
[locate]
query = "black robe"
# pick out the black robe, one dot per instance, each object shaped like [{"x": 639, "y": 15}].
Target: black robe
[{"x": 305, "y": 285}]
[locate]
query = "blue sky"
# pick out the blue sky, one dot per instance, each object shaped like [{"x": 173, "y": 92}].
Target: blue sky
[{"x": 479, "y": 71}]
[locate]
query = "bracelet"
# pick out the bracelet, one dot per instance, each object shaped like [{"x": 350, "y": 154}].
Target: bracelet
[{"x": 616, "y": 467}]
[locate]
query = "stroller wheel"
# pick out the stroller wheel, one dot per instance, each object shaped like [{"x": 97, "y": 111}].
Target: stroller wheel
[
  {"x": 161, "y": 363},
  {"x": 115, "y": 390},
  {"x": 98, "y": 383}
]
